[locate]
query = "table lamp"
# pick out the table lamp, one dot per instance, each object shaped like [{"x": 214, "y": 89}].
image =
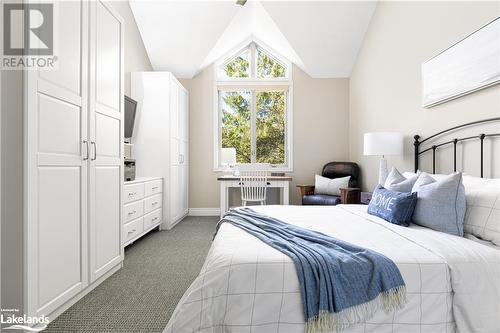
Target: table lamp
[
  {"x": 382, "y": 144},
  {"x": 228, "y": 159}
]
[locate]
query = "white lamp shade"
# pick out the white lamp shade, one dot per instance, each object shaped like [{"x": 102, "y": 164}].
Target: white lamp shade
[
  {"x": 228, "y": 156},
  {"x": 383, "y": 143}
]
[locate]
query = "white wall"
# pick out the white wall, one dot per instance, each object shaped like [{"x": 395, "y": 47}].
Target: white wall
[
  {"x": 320, "y": 133},
  {"x": 385, "y": 86},
  {"x": 136, "y": 58}
]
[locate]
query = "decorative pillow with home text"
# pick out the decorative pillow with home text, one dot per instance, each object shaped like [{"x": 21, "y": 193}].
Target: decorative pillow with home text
[{"x": 392, "y": 206}]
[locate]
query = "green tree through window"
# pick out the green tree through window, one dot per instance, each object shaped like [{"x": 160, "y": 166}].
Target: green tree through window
[
  {"x": 270, "y": 127},
  {"x": 236, "y": 131},
  {"x": 267, "y": 67},
  {"x": 264, "y": 108},
  {"x": 238, "y": 67}
]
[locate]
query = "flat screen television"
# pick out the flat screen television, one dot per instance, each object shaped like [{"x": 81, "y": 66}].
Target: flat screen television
[{"x": 130, "y": 109}]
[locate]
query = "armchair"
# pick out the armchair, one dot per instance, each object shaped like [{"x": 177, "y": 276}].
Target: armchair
[{"x": 334, "y": 170}]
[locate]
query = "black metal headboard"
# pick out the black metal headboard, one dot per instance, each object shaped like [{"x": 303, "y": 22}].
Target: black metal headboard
[{"x": 418, "y": 143}]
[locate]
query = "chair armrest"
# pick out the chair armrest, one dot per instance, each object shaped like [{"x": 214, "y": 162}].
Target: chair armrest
[
  {"x": 305, "y": 190},
  {"x": 350, "y": 195}
]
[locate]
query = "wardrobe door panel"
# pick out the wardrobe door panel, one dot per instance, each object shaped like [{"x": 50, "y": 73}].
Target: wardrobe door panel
[
  {"x": 175, "y": 151},
  {"x": 174, "y": 109},
  {"x": 183, "y": 151},
  {"x": 59, "y": 126},
  {"x": 108, "y": 57},
  {"x": 69, "y": 66},
  {"x": 59, "y": 246},
  {"x": 184, "y": 185},
  {"x": 183, "y": 115},
  {"x": 175, "y": 192},
  {"x": 107, "y": 136},
  {"x": 106, "y": 131},
  {"x": 56, "y": 106},
  {"x": 107, "y": 208}
]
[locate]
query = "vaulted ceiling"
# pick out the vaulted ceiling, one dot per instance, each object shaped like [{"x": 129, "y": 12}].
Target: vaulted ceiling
[{"x": 321, "y": 37}]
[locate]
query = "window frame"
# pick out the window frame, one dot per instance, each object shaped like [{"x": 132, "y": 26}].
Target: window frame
[{"x": 253, "y": 84}]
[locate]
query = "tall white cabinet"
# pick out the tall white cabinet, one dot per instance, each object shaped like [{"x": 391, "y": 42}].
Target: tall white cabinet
[
  {"x": 161, "y": 138},
  {"x": 73, "y": 129}
]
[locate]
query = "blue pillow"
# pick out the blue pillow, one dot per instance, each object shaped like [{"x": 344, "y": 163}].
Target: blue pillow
[{"x": 392, "y": 206}]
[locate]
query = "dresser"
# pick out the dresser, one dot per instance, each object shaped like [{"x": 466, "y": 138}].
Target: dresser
[{"x": 142, "y": 208}]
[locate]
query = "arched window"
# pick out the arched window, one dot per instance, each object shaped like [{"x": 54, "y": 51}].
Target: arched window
[{"x": 254, "y": 108}]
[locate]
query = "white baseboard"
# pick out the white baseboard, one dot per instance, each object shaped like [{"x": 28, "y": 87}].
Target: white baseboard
[{"x": 204, "y": 212}]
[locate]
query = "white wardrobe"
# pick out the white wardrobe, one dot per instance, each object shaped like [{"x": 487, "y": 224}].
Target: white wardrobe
[
  {"x": 73, "y": 164},
  {"x": 161, "y": 138}
]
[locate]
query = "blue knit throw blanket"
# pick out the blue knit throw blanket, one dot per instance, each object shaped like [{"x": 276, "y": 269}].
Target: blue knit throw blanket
[{"x": 341, "y": 284}]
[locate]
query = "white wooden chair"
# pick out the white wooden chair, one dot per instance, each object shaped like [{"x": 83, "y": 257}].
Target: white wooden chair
[{"x": 253, "y": 184}]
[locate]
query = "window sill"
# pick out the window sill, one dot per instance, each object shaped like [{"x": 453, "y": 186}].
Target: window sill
[{"x": 276, "y": 169}]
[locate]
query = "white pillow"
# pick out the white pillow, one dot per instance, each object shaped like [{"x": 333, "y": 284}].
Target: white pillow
[
  {"x": 436, "y": 176},
  {"x": 482, "y": 217},
  {"x": 323, "y": 185},
  {"x": 395, "y": 181}
]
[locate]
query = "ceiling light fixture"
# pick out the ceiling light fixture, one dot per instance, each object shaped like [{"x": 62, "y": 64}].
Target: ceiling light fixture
[{"x": 241, "y": 2}]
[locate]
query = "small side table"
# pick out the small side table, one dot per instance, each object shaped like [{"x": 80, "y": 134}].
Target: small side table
[
  {"x": 349, "y": 195},
  {"x": 366, "y": 197}
]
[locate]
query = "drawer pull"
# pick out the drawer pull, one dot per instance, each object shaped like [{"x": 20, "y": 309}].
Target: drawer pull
[
  {"x": 156, "y": 218},
  {"x": 132, "y": 194},
  {"x": 154, "y": 203},
  {"x": 132, "y": 213},
  {"x": 154, "y": 188},
  {"x": 131, "y": 231}
]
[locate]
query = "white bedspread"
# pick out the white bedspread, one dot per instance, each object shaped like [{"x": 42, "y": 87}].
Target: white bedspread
[{"x": 453, "y": 283}]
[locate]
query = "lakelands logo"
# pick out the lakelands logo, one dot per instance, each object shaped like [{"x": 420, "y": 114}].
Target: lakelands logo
[
  {"x": 12, "y": 321},
  {"x": 28, "y": 36}
]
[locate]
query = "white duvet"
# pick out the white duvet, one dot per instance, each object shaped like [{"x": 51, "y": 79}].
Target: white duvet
[{"x": 453, "y": 283}]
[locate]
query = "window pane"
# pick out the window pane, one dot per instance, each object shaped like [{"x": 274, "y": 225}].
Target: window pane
[
  {"x": 236, "y": 132},
  {"x": 270, "y": 127},
  {"x": 238, "y": 67},
  {"x": 268, "y": 67}
]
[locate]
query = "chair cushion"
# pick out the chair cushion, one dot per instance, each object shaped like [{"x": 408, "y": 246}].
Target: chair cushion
[
  {"x": 323, "y": 185},
  {"x": 321, "y": 199}
]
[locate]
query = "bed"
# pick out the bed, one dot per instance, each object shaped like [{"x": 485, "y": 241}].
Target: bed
[{"x": 452, "y": 283}]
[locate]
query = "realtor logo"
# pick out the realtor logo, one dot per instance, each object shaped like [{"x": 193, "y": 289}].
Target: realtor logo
[
  {"x": 35, "y": 36},
  {"x": 29, "y": 36}
]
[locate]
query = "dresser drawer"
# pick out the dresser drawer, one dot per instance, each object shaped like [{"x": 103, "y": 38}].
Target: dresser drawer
[
  {"x": 152, "y": 203},
  {"x": 133, "y": 229},
  {"x": 152, "y": 219},
  {"x": 153, "y": 187},
  {"x": 133, "y": 210},
  {"x": 133, "y": 192}
]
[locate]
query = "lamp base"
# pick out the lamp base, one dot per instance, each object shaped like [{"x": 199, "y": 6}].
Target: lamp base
[{"x": 382, "y": 171}]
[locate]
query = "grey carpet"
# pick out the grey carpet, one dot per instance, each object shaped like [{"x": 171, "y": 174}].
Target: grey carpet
[{"x": 143, "y": 294}]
